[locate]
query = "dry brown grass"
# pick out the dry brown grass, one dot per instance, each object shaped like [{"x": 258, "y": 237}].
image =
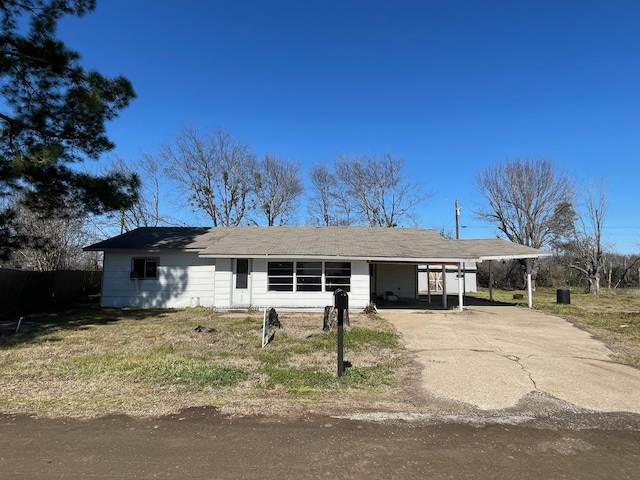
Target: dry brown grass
[{"x": 88, "y": 362}]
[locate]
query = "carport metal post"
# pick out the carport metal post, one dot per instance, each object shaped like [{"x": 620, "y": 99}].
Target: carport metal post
[
  {"x": 444, "y": 287},
  {"x": 460, "y": 288},
  {"x": 529, "y": 289}
]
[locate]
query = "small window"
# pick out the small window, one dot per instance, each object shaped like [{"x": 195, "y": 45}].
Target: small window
[
  {"x": 144, "y": 268},
  {"x": 308, "y": 276},
  {"x": 337, "y": 275},
  {"x": 280, "y": 276}
]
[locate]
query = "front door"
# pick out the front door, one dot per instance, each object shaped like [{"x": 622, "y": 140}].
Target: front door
[{"x": 241, "y": 283}]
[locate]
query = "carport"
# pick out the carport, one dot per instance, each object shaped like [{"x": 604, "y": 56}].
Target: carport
[
  {"x": 400, "y": 274},
  {"x": 495, "y": 250}
]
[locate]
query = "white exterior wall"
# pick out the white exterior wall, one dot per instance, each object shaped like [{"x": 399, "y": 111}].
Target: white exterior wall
[
  {"x": 223, "y": 283},
  {"x": 184, "y": 280},
  {"x": 261, "y": 297}
]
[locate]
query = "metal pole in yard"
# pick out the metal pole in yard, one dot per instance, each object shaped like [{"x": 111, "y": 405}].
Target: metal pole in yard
[
  {"x": 341, "y": 303},
  {"x": 340, "y": 342}
]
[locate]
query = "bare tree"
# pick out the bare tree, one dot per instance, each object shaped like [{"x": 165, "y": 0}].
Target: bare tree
[
  {"x": 327, "y": 204},
  {"x": 529, "y": 201},
  {"x": 216, "y": 173},
  {"x": 278, "y": 187},
  {"x": 145, "y": 211},
  {"x": 587, "y": 243},
  {"x": 626, "y": 269},
  {"x": 381, "y": 193},
  {"x": 53, "y": 242}
]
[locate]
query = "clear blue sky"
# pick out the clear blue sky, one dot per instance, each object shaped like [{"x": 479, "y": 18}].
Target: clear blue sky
[{"x": 450, "y": 86}]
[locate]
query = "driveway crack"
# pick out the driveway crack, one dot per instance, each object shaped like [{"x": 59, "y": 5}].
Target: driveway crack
[{"x": 516, "y": 359}]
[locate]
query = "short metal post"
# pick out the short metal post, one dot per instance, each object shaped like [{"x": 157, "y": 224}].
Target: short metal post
[
  {"x": 340, "y": 303},
  {"x": 340, "y": 342}
]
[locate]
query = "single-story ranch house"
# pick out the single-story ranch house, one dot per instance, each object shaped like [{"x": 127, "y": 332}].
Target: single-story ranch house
[{"x": 285, "y": 267}]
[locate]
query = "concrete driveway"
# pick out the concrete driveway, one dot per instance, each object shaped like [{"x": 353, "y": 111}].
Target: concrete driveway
[{"x": 493, "y": 356}]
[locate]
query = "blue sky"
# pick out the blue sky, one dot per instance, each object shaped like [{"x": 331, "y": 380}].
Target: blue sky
[{"x": 450, "y": 86}]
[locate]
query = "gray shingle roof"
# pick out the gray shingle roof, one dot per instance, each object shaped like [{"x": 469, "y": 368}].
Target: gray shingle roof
[
  {"x": 392, "y": 244},
  {"x": 158, "y": 238}
]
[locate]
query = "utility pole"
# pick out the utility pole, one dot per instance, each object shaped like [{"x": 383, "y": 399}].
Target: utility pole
[{"x": 457, "y": 221}]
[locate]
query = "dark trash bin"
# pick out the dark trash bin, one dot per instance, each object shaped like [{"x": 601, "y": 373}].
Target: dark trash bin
[{"x": 563, "y": 295}]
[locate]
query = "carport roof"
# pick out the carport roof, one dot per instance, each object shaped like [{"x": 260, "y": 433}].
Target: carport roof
[{"x": 349, "y": 243}]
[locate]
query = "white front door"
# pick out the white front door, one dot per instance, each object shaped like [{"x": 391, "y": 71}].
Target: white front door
[{"x": 241, "y": 294}]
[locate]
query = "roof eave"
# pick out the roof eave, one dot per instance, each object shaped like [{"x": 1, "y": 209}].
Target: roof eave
[
  {"x": 500, "y": 258},
  {"x": 438, "y": 260}
]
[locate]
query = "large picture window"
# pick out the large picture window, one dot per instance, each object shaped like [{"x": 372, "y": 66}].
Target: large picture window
[
  {"x": 309, "y": 276},
  {"x": 280, "y": 276},
  {"x": 144, "y": 268}
]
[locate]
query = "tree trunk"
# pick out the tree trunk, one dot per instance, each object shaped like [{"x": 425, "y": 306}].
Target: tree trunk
[
  {"x": 594, "y": 284},
  {"x": 534, "y": 273}
]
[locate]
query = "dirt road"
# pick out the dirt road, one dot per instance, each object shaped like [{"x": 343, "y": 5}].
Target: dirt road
[{"x": 201, "y": 444}]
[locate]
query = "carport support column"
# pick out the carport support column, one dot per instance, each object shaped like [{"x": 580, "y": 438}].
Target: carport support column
[
  {"x": 444, "y": 287},
  {"x": 529, "y": 289},
  {"x": 460, "y": 288},
  {"x": 428, "y": 285}
]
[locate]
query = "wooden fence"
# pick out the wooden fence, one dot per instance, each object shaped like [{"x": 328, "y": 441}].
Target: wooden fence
[{"x": 24, "y": 291}]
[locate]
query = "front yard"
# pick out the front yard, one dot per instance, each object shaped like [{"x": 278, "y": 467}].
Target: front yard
[{"x": 86, "y": 361}]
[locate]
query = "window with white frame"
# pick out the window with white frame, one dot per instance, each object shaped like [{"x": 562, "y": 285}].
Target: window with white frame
[
  {"x": 144, "y": 268},
  {"x": 309, "y": 276},
  {"x": 280, "y": 276},
  {"x": 306, "y": 276},
  {"x": 337, "y": 275}
]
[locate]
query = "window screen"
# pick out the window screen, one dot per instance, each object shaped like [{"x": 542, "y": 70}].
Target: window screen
[
  {"x": 337, "y": 275},
  {"x": 280, "y": 276},
  {"x": 308, "y": 276}
]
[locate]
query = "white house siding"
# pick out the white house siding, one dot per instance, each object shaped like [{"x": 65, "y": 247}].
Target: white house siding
[
  {"x": 184, "y": 279},
  {"x": 223, "y": 283},
  {"x": 261, "y": 297},
  {"x": 451, "y": 271}
]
